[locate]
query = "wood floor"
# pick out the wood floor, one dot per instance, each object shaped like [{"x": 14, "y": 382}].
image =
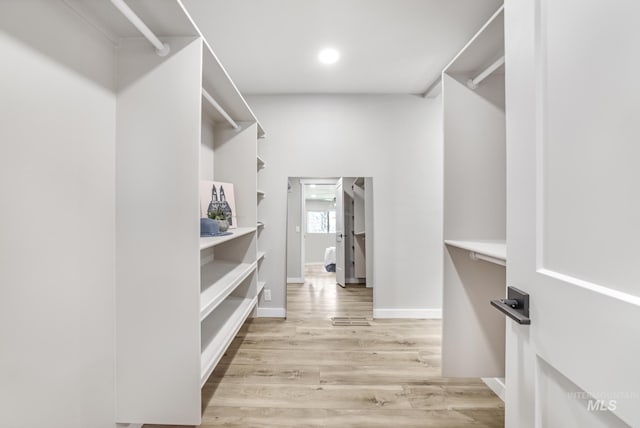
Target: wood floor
[{"x": 305, "y": 372}]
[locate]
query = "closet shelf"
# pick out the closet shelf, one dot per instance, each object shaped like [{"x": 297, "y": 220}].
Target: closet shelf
[
  {"x": 362, "y": 233},
  {"x": 219, "y": 329},
  {"x": 359, "y": 182},
  {"x": 214, "y": 111},
  {"x": 260, "y": 162},
  {"x": 218, "y": 279},
  {"x": 260, "y": 193},
  {"x": 261, "y": 285},
  {"x": 212, "y": 241},
  {"x": 260, "y": 225},
  {"x": 496, "y": 249},
  {"x": 483, "y": 49},
  {"x": 261, "y": 255}
]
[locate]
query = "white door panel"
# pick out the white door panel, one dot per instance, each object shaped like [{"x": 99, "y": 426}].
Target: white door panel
[{"x": 573, "y": 210}]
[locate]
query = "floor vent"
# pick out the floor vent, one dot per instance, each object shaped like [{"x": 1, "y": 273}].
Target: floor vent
[{"x": 349, "y": 321}]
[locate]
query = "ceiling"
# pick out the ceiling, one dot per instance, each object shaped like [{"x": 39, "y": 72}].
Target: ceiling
[
  {"x": 386, "y": 46},
  {"x": 323, "y": 192}
]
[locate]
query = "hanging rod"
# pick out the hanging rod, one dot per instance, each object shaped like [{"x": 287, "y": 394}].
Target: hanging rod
[
  {"x": 473, "y": 83},
  {"x": 219, "y": 109},
  {"x": 475, "y": 256},
  {"x": 162, "y": 49}
]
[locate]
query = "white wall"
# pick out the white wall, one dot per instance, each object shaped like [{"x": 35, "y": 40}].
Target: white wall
[
  {"x": 57, "y": 178},
  {"x": 316, "y": 243},
  {"x": 395, "y": 139},
  {"x": 294, "y": 253}
]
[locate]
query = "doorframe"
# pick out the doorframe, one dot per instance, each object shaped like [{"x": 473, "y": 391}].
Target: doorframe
[{"x": 303, "y": 214}]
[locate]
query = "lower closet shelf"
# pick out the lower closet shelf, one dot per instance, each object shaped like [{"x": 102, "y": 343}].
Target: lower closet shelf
[
  {"x": 261, "y": 285},
  {"x": 218, "y": 279},
  {"x": 219, "y": 329}
]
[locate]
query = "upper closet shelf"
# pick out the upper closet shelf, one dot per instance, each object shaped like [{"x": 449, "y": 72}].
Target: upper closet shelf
[
  {"x": 217, "y": 83},
  {"x": 484, "y": 50},
  {"x": 217, "y": 240},
  {"x": 490, "y": 251},
  {"x": 163, "y": 20}
]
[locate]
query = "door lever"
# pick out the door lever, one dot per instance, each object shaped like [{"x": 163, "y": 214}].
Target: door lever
[{"x": 515, "y": 306}]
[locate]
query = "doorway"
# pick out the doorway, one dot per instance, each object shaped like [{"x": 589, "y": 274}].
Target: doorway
[{"x": 330, "y": 246}]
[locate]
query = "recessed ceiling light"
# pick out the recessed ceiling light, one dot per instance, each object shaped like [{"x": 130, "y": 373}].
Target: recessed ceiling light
[
  {"x": 328, "y": 56},
  {"x": 313, "y": 186}
]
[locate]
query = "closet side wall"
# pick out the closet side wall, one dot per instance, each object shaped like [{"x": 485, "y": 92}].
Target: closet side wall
[{"x": 57, "y": 245}]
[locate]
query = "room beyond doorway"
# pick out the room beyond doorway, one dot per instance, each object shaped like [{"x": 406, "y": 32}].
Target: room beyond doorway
[{"x": 330, "y": 237}]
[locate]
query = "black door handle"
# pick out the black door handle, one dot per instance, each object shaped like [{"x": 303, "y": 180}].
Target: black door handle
[{"x": 515, "y": 306}]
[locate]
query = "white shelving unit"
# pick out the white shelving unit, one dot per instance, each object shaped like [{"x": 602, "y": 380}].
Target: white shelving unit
[
  {"x": 261, "y": 164},
  {"x": 219, "y": 329},
  {"x": 212, "y": 241},
  {"x": 475, "y": 207},
  {"x": 359, "y": 228},
  {"x": 218, "y": 279},
  {"x": 180, "y": 298},
  {"x": 494, "y": 251}
]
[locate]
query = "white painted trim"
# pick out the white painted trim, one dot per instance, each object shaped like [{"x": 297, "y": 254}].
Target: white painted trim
[
  {"x": 415, "y": 313},
  {"x": 271, "y": 313},
  {"x": 121, "y": 425},
  {"x": 295, "y": 280},
  {"x": 496, "y": 384},
  {"x": 319, "y": 181}
]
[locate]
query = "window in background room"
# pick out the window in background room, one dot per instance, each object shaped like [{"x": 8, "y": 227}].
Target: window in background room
[{"x": 321, "y": 221}]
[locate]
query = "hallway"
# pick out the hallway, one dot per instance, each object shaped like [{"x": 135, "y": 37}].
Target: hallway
[{"x": 304, "y": 372}]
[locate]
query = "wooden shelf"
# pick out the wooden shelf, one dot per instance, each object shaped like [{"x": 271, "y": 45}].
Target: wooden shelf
[
  {"x": 260, "y": 162},
  {"x": 217, "y": 280},
  {"x": 217, "y": 240},
  {"x": 261, "y": 255},
  {"x": 261, "y": 285},
  {"x": 219, "y": 329},
  {"x": 490, "y": 248}
]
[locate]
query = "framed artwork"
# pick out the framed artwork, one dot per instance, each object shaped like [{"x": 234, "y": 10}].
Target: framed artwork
[{"x": 218, "y": 198}]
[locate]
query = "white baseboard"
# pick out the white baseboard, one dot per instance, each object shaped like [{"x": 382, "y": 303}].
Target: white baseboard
[
  {"x": 408, "y": 313},
  {"x": 496, "y": 384},
  {"x": 271, "y": 313},
  {"x": 295, "y": 280},
  {"x": 129, "y": 425}
]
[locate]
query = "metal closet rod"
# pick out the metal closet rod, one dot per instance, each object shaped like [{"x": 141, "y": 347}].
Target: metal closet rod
[
  {"x": 162, "y": 49},
  {"x": 473, "y": 83},
  {"x": 475, "y": 256},
  {"x": 219, "y": 109}
]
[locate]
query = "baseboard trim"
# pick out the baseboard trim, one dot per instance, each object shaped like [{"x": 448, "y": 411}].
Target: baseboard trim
[
  {"x": 408, "y": 313},
  {"x": 496, "y": 384},
  {"x": 295, "y": 280},
  {"x": 271, "y": 313},
  {"x": 120, "y": 425}
]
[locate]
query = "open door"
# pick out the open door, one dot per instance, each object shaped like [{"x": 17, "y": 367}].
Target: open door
[
  {"x": 573, "y": 210},
  {"x": 340, "y": 238}
]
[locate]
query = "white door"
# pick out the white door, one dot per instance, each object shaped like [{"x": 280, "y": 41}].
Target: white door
[
  {"x": 573, "y": 213},
  {"x": 340, "y": 252}
]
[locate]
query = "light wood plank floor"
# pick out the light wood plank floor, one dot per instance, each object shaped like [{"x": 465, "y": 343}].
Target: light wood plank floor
[{"x": 305, "y": 372}]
